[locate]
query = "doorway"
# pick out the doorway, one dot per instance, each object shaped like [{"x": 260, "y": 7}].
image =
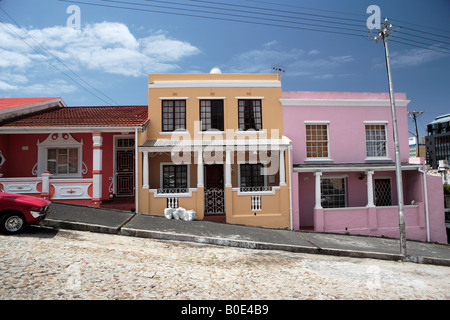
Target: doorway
[
  {"x": 214, "y": 190},
  {"x": 124, "y": 167}
]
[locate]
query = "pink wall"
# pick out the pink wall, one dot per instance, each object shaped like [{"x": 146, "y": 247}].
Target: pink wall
[{"x": 346, "y": 127}]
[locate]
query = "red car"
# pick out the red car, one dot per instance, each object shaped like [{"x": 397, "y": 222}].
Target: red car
[{"x": 18, "y": 211}]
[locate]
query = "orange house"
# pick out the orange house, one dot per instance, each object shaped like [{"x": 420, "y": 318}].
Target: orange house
[{"x": 215, "y": 145}]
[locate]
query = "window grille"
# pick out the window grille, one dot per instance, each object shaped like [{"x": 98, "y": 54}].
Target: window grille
[
  {"x": 256, "y": 203},
  {"x": 172, "y": 203},
  {"x": 376, "y": 140},
  {"x": 317, "y": 141}
]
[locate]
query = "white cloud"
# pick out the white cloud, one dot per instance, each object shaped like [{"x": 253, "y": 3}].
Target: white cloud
[
  {"x": 414, "y": 57},
  {"x": 106, "y": 47},
  {"x": 296, "y": 62},
  {"x": 52, "y": 88}
]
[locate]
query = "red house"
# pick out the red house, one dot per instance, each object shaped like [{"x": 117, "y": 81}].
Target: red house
[{"x": 81, "y": 155}]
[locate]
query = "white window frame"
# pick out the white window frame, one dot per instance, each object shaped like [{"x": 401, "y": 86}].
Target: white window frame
[
  {"x": 377, "y": 123},
  {"x": 61, "y": 141},
  {"x": 328, "y": 158}
]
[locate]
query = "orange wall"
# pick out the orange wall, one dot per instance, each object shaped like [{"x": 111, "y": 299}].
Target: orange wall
[{"x": 271, "y": 106}]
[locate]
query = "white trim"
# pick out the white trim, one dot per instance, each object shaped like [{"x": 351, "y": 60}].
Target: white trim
[
  {"x": 317, "y": 122},
  {"x": 373, "y": 158},
  {"x": 342, "y": 102},
  {"x": 249, "y": 98},
  {"x": 173, "y": 98},
  {"x": 214, "y": 84},
  {"x": 354, "y": 169},
  {"x": 70, "y": 190},
  {"x": 17, "y": 186},
  {"x": 256, "y": 193},
  {"x": 378, "y": 159},
  {"x": 172, "y": 195},
  {"x": 318, "y": 160},
  {"x": 376, "y": 122},
  {"x": 211, "y": 98},
  {"x": 327, "y": 124},
  {"x": 59, "y": 142}
]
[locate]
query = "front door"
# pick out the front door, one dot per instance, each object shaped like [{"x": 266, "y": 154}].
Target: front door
[
  {"x": 214, "y": 191},
  {"x": 124, "y": 172}
]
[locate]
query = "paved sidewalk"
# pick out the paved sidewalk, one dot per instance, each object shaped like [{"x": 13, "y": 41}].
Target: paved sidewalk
[{"x": 76, "y": 217}]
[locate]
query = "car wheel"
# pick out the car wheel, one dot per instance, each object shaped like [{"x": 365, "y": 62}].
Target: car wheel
[{"x": 12, "y": 223}]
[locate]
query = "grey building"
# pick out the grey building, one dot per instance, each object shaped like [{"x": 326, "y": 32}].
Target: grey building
[{"x": 438, "y": 140}]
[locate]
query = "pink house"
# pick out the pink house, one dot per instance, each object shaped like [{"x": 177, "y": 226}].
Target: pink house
[
  {"x": 80, "y": 155},
  {"x": 343, "y": 175}
]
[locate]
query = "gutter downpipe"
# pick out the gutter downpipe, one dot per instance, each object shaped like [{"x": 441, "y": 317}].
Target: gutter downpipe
[
  {"x": 136, "y": 190},
  {"x": 290, "y": 187},
  {"x": 425, "y": 190}
]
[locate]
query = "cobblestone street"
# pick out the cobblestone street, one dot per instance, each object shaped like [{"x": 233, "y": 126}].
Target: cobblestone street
[{"x": 49, "y": 264}]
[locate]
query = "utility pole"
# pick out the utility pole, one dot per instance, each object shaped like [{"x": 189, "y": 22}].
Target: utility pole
[
  {"x": 383, "y": 34},
  {"x": 413, "y": 114}
]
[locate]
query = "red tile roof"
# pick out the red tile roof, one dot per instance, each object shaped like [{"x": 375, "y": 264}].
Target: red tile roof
[
  {"x": 6, "y": 103},
  {"x": 118, "y": 116}
]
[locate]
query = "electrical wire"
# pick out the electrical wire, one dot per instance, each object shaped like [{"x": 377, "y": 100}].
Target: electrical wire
[
  {"x": 213, "y": 18},
  {"x": 310, "y": 26},
  {"x": 58, "y": 59}
]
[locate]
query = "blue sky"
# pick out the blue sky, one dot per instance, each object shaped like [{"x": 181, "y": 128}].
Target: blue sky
[{"x": 107, "y": 60}]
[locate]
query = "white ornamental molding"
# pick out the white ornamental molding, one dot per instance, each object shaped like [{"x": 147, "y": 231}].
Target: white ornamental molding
[
  {"x": 67, "y": 191},
  {"x": 21, "y": 187}
]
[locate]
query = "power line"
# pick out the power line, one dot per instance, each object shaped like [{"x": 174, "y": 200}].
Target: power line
[
  {"x": 59, "y": 60},
  {"x": 215, "y": 18},
  {"x": 310, "y": 26},
  {"x": 246, "y": 11}
]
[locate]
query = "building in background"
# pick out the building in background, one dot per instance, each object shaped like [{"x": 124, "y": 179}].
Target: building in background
[
  {"x": 344, "y": 178},
  {"x": 79, "y": 155},
  {"x": 438, "y": 141},
  {"x": 422, "y": 151}
]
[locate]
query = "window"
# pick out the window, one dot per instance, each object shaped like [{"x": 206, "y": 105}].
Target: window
[
  {"x": 317, "y": 140},
  {"x": 250, "y": 114},
  {"x": 376, "y": 140},
  {"x": 62, "y": 160},
  {"x": 211, "y": 114},
  {"x": 173, "y": 115},
  {"x": 333, "y": 192},
  {"x": 175, "y": 176},
  {"x": 251, "y": 175}
]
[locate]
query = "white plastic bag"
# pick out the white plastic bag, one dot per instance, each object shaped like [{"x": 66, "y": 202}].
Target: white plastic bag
[
  {"x": 181, "y": 212},
  {"x": 168, "y": 213},
  {"x": 190, "y": 215}
]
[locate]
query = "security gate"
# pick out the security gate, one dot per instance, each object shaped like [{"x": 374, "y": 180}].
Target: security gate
[
  {"x": 124, "y": 169},
  {"x": 214, "y": 201},
  {"x": 214, "y": 193},
  {"x": 383, "y": 195}
]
